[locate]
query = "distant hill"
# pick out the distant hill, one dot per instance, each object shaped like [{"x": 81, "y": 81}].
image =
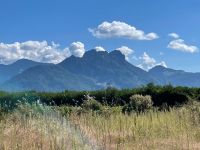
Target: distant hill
[
  {"x": 165, "y": 76},
  {"x": 107, "y": 67},
  {"x": 95, "y": 70},
  {"x": 49, "y": 78},
  {"x": 8, "y": 71}
]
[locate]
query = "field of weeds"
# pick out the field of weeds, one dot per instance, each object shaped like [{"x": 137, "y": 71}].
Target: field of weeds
[
  {"x": 171, "y": 130},
  {"x": 96, "y": 127},
  {"x": 32, "y": 127}
]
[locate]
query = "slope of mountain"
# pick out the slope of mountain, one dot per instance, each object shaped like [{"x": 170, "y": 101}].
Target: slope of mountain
[
  {"x": 107, "y": 67},
  {"x": 8, "y": 71},
  {"x": 93, "y": 71},
  {"x": 175, "y": 77},
  {"x": 49, "y": 78}
]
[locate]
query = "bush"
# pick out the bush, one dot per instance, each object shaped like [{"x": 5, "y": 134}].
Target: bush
[
  {"x": 138, "y": 103},
  {"x": 2, "y": 113},
  {"x": 91, "y": 104},
  {"x": 68, "y": 110}
]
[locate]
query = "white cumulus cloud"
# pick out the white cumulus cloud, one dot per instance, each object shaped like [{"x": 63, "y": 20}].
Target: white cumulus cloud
[
  {"x": 162, "y": 63},
  {"x": 77, "y": 49},
  {"x": 180, "y": 45},
  {"x": 148, "y": 62},
  {"x": 99, "y": 49},
  {"x": 117, "y": 29},
  {"x": 174, "y": 35},
  {"x": 34, "y": 50},
  {"x": 126, "y": 51},
  {"x": 39, "y": 51}
]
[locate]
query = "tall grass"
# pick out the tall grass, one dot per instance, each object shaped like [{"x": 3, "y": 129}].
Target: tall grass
[
  {"x": 174, "y": 129},
  {"x": 35, "y": 126}
]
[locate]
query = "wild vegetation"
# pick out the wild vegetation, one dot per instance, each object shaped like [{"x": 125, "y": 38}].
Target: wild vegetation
[
  {"x": 150, "y": 117},
  {"x": 160, "y": 95},
  {"x": 173, "y": 129}
]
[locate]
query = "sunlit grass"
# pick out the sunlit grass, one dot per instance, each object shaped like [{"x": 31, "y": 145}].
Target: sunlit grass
[
  {"x": 174, "y": 129},
  {"x": 42, "y": 127},
  {"x": 33, "y": 127}
]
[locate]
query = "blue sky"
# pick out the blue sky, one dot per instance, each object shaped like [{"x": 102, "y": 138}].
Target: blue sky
[{"x": 68, "y": 21}]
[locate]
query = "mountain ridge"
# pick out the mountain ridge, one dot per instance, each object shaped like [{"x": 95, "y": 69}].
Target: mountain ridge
[
  {"x": 175, "y": 77},
  {"x": 93, "y": 71},
  {"x": 10, "y": 70}
]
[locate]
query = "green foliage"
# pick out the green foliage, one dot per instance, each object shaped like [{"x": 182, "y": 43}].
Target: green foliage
[
  {"x": 91, "y": 104},
  {"x": 161, "y": 96},
  {"x": 138, "y": 103},
  {"x": 10, "y": 101},
  {"x": 73, "y": 98},
  {"x": 68, "y": 110},
  {"x": 28, "y": 109},
  {"x": 2, "y": 113}
]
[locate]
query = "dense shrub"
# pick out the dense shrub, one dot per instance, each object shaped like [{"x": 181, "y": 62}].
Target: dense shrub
[
  {"x": 2, "y": 113},
  {"x": 9, "y": 101},
  {"x": 138, "y": 103},
  {"x": 161, "y": 96},
  {"x": 172, "y": 96},
  {"x": 91, "y": 104},
  {"x": 73, "y": 98},
  {"x": 68, "y": 110}
]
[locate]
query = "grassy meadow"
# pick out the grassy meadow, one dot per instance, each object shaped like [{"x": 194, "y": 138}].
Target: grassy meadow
[
  {"x": 28, "y": 122},
  {"x": 174, "y": 129},
  {"x": 39, "y": 127}
]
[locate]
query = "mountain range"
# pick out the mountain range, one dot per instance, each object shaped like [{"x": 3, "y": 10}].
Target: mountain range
[
  {"x": 95, "y": 70},
  {"x": 9, "y": 71}
]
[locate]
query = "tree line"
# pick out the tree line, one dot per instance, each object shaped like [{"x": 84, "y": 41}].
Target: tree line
[{"x": 161, "y": 96}]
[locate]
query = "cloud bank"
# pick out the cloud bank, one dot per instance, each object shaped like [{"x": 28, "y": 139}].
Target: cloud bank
[
  {"x": 39, "y": 51},
  {"x": 99, "y": 49},
  {"x": 145, "y": 61},
  {"x": 148, "y": 62},
  {"x": 117, "y": 29},
  {"x": 77, "y": 49},
  {"x": 126, "y": 51},
  {"x": 173, "y": 35},
  {"x": 180, "y": 45}
]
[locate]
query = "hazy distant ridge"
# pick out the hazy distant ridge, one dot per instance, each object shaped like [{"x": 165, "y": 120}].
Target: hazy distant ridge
[{"x": 93, "y": 71}]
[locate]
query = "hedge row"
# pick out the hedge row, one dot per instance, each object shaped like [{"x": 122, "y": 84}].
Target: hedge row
[{"x": 167, "y": 95}]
